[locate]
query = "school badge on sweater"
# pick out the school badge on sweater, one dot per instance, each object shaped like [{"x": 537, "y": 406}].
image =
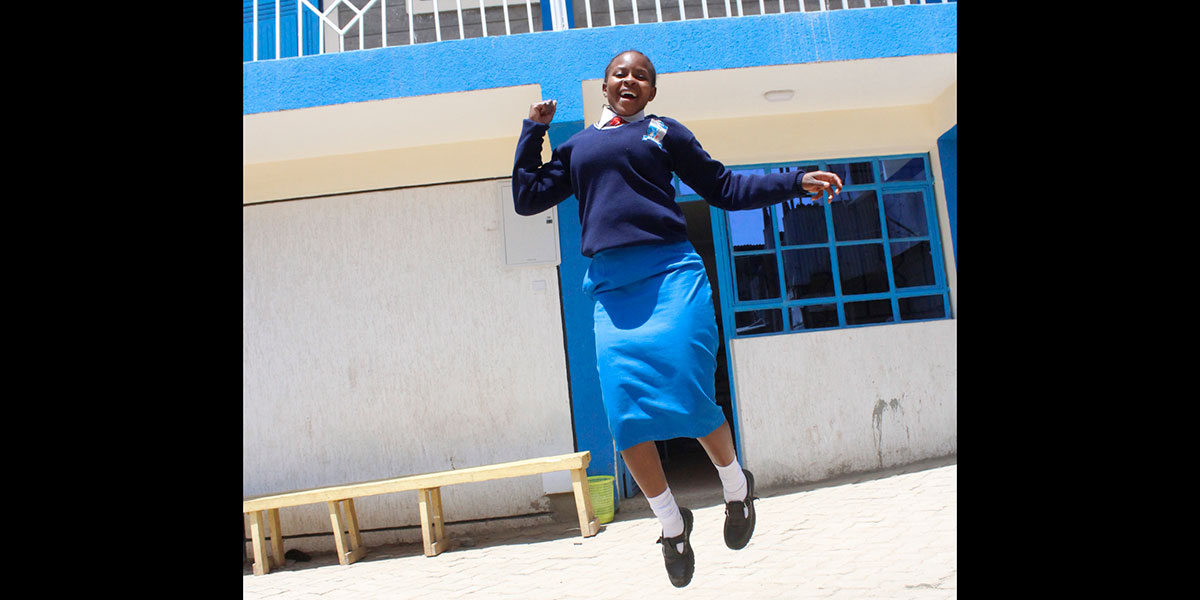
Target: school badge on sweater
[{"x": 656, "y": 132}]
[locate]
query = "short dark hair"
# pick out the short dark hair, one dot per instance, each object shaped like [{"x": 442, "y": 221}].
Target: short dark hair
[{"x": 653, "y": 73}]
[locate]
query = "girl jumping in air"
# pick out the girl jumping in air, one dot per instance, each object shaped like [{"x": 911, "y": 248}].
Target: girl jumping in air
[{"x": 656, "y": 330}]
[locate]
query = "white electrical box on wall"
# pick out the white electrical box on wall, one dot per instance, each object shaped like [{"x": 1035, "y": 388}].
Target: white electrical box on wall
[{"x": 527, "y": 240}]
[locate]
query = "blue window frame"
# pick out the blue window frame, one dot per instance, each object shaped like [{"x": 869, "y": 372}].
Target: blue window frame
[{"x": 871, "y": 257}]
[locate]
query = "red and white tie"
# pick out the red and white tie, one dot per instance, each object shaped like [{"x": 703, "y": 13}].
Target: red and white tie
[{"x": 615, "y": 121}]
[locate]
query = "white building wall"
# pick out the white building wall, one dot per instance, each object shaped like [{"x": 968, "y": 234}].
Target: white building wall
[
  {"x": 816, "y": 405},
  {"x": 382, "y": 336}
]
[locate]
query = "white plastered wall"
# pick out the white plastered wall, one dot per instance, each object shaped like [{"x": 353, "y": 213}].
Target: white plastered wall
[{"x": 382, "y": 336}]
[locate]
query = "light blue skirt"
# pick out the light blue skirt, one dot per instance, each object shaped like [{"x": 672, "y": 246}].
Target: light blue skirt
[{"x": 656, "y": 342}]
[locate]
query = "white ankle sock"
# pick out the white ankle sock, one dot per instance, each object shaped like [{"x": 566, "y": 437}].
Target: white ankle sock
[
  {"x": 667, "y": 511},
  {"x": 733, "y": 480}
]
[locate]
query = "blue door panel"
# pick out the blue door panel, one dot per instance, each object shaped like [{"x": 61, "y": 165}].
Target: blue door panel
[{"x": 287, "y": 29}]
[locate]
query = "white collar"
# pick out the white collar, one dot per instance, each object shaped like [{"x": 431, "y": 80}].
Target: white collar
[{"x": 607, "y": 114}]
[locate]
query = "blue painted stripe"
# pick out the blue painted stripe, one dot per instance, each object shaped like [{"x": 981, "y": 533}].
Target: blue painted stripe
[{"x": 560, "y": 60}]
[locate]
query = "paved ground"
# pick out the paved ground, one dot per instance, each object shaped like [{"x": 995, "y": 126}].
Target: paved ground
[{"x": 885, "y": 535}]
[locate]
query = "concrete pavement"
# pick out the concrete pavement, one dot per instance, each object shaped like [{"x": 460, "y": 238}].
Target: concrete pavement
[{"x": 890, "y": 534}]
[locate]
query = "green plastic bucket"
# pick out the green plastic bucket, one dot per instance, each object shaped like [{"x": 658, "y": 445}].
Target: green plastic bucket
[{"x": 601, "y": 488}]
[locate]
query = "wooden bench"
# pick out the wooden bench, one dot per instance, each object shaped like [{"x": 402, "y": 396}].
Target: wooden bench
[{"x": 429, "y": 497}]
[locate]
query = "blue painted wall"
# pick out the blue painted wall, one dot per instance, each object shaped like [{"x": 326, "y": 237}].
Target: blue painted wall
[
  {"x": 559, "y": 61},
  {"x": 948, "y": 151}
]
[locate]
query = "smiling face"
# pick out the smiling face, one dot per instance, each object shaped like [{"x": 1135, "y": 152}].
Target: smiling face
[{"x": 629, "y": 83}]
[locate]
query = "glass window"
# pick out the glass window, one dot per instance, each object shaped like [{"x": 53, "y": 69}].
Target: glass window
[
  {"x": 757, "y": 277},
  {"x": 903, "y": 169},
  {"x": 807, "y": 273},
  {"x": 872, "y": 256},
  {"x": 856, "y": 216},
  {"x": 905, "y": 213},
  {"x": 869, "y": 311},
  {"x": 800, "y": 221},
  {"x": 754, "y": 322},
  {"x": 922, "y": 307},
  {"x": 912, "y": 264},
  {"x": 751, "y": 230},
  {"x": 862, "y": 269},
  {"x": 853, "y": 173},
  {"x": 813, "y": 316}
]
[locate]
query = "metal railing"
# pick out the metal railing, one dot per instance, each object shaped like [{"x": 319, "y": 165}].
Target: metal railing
[{"x": 278, "y": 28}]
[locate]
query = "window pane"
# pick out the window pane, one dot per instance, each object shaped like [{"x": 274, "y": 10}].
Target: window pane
[
  {"x": 912, "y": 264},
  {"x": 853, "y": 173},
  {"x": 814, "y": 317},
  {"x": 751, "y": 322},
  {"x": 922, "y": 307},
  {"x": 862, "y": 269},
  {"x": 856, "y": 216},
  {"x": 807, "y": 273},
  {"x": 799, "y": 221},
  {"x": 903, "y": 169},
  {"x": 905, "y": 212},
  {"x": 750, "y": 229},
  {"x": 757, "y": 277},
  {"x": 870, "y": 311}
]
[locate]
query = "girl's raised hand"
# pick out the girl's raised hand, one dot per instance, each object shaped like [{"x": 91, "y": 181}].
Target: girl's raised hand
[
  {"x": 542, "y": 112},
  {"x": 821, "y": 182}
]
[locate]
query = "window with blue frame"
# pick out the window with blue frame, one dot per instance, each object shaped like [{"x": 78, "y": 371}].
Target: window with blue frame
[{"x": 872, "y": 256}]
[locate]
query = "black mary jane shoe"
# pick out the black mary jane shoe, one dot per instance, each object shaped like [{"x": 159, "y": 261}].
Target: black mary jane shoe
[
  {"x": 680, "y": 565},
  {"x": 739, "y": 523}
]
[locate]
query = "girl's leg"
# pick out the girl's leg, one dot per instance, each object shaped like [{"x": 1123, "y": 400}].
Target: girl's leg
[
  {"x": 719, "y": 446},
  {"x": 737, "y": 486},
  {"x": 646, "y": 467}
]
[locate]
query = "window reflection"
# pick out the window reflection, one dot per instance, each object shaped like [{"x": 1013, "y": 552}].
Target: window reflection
[
  {"x": 751, "y": 322},
  {"x": 807, "y": 273},
  {"x": 862, "y": 269},
  {"x": 902, "y": 169},
  {"x": 750, "y": 230},
  {"x": 856, "y": 216},
  {"x": 853, "y": 173},
  {"x": 922, "y": 307},
  {"x": 905, "y": 212},
  {"x": 757, "y": 277},
  {"x": 869, "y": 311},
  {"x": 799, "y": 221},
  {"x": 815, "y": 316},
  {"x": 912, "y": 264}
]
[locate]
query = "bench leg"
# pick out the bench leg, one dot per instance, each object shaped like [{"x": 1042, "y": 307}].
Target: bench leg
[
  {"x": 352, "y": 517},
  {"x": 261, "y": 564},
  {"x": 276, "y": 537},
  {"x": 433, "y": 528},
  {"x": 588, "y": 525},
  {"x": 345, "y": 555}
]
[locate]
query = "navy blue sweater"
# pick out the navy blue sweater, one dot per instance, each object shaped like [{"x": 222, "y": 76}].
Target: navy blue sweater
[{"x": 622, "y": 179}]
